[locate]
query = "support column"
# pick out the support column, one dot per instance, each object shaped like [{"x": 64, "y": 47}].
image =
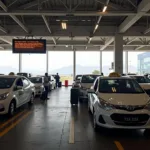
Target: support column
[
  {"x": 20, "y": 62},
  {"x": 101, "y": 69},
  {"x": 118, "y": 54},
  {"x": 74, "y": 64},
  {"x": 126, "y": 62},
  {"x": 47, "y": 69}
]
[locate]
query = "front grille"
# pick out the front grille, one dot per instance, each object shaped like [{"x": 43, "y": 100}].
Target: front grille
[
  {"x": 130, "y": 119},
  {"x": 129, "y": 107},
  {"x": 148, "y": 91}
]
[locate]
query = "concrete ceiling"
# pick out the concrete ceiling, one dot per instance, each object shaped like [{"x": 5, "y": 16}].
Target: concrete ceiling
[{"x": 42, "y": 19}]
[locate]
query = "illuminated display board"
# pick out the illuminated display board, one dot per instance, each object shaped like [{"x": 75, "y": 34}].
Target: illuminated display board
[{"x": 29, "y": 46}]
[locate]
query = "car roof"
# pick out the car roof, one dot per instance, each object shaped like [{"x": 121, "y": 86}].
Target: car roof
[
  {"x": 114, "y": 77},
  {"x": 90, "y": 75},
  {"x": 136, "y": 76},
  {"x": 9, "y": 76}
]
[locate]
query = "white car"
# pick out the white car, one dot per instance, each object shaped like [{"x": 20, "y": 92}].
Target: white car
[
  {"x": 119, "y": 102},
  {"x": 15, "y": 91},
  {"x": 52, "y": 83},
  {"x": 77, "y": 80},
  {"x": 143, "y": 81},
  {"x": 85, "y": 83},
  {"x": 38, "y": 82}
]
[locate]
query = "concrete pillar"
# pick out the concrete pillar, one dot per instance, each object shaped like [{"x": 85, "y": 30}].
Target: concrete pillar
[
  {"x": 74, "y": 64},
  {"x": 47, "y": 69},
  {"x": 20, "y": 62},
  {"x": 101, "y": 69},
  {"x": 126, "y": 62},
  {"x": 118, "y": 54}
]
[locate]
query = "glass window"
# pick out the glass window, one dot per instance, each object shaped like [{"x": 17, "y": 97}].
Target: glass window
[
  {"x": 61, "y": 62},
  {"x": 9, "y": 62},
  {"x": 36, "y": 80},
  {"x": 19, "y": 82},
  {"x": 141, "y": 79},
  {"x": 87, "y": 62},
  {"x": 6, "y": 83},
  {"x": 88, "y": 78},
  {"x": 119, "y": 86},
  {"x": 107, "y": 62},
  {"x": 34, "y": 64}
]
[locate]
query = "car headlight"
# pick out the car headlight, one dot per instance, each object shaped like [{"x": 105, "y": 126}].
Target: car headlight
[
  {"x": 105, "y": 105},
  {"x": 147, "y": 106},
  {"x": 4, "y": 96}
]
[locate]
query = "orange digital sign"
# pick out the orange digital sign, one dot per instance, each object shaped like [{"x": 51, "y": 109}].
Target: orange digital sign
[{"x": 29, "y": 46}]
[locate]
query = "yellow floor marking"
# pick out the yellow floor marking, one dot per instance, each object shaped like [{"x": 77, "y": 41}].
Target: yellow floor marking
[
  {"x": 14, "y": 124},
  {"x": 71, "y": 136},
  {"x": 119, "y": 146},
  {"x": 12, "y": 119}
]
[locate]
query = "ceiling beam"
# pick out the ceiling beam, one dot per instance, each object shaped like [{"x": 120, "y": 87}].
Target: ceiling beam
[
  {"x": 108, "y": 42},
  {"x": 3, "y": 29},
  {"x": 6, "y": 40},
  {"x": 147, "y": 30},
  {"x": 48, "y": 27},
  {"x": 64, "y": 13},
  {"x": 139, "y": 47},
  {"x": 31, "y": 4},
  {"x": 2, "y": 5},
  {"x": 142, "y": 9}
]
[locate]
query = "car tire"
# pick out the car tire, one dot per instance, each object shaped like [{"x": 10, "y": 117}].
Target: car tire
[
  {"x": 95, "y": 126},
  {"x": 12, "y": 108},
  {"x": 31, "y": 102}
]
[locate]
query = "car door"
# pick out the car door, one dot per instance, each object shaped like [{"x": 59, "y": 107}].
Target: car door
[
  {"x": 19, "y": 93},
  {"x": 27, "y": 89}
]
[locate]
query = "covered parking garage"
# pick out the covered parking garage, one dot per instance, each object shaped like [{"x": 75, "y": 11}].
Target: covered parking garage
[{"x": 114, "y": 29}]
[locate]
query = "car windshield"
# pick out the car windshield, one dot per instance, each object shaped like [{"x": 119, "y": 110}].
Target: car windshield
[
  {"x": 119, "y": 86},
  {"x": 36, "y": 80},
  {"x": 89, "y": 78},
  {"x": 142, "y": 79},
  {"x": 6, "y": 83},
  {"x": 78, "y": 77}
]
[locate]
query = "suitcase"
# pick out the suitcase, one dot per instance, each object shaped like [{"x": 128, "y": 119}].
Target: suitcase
[
  {"x": 74, "y": 94},
  {"x": 43, "y": 96},
  {"x": 59, "y": 84}
]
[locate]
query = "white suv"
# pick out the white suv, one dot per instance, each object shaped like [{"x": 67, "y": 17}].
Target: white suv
[{"x": 14, "y": 92}]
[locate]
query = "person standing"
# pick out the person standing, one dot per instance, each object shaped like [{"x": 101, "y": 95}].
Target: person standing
[
  {"x": 57, "y": 77},
  {"x": 46, "y": 85}
]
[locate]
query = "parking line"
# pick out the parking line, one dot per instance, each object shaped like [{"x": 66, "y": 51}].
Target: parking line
[
  {"x": 14, "y": 124},
  {"x": 118, "y": 145},
  {"x": 12, "y": 119},
  {"x": 71, "y": 136}
]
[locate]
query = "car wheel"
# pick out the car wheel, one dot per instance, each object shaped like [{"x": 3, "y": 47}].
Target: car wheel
[
  {"x": 12, "y": 108},
  {"x": 31, "y": 102},
  {"x": 94, "y": 122}
]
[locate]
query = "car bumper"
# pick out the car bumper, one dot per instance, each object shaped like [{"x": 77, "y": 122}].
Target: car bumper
[
  {"x": 4, "y": 106},
  {"x": 39, "y": 91},
  {"x": 108, "y": 119}
]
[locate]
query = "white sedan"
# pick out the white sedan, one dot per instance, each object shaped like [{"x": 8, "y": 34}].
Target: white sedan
[
  {"x": 14, "y": 92},
  {"x": 143, "y": 81},
  {"x": 119, "y": 102},
  {"x": 38, "y": 82}
]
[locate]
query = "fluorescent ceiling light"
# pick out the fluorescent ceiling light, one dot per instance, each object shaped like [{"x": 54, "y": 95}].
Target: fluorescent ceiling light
[
  {"x": 66, "y": 45},
  {"x": 96, "y": 27},
  {"x": 104, "y": 9},
  {"x": 64, "y": 25}
]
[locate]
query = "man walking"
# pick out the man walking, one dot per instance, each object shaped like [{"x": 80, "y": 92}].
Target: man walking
[
  {"x": 46, "y": 85},
  {"x": 57, "y": 77}
]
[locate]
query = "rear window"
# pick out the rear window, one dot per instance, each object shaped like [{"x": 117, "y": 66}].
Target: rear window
[
  {"x": 36, "y": 80},
  {"x": 6, "y": 83},
  {"x": 89, "y": 78},
  {"x": 78, "y": 77}
]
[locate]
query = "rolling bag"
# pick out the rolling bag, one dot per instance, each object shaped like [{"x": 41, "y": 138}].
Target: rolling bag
[
  {"x": 74, "y": 93},
  {"x": 59, "y": 84}
]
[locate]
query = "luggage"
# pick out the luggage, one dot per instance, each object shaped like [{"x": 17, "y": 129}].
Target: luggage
[
  {"x": 74, "y": 94},
  {"x": 59, "y": 84},
  {"x": 43, "y": 96}
]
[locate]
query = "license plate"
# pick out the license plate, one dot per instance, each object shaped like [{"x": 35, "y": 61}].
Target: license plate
[{"x": 131, "y": 119}]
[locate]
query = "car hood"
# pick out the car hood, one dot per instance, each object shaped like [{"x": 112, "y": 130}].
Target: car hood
[
  {"x": 145, "y": 86},
  {"x": 125, "y": 99},
  {"x": 86, "y": 85},
  {"x": 2, "y": 91}
]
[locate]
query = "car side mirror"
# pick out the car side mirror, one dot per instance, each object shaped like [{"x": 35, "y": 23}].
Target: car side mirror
[{"x": 91, "y": 91}]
